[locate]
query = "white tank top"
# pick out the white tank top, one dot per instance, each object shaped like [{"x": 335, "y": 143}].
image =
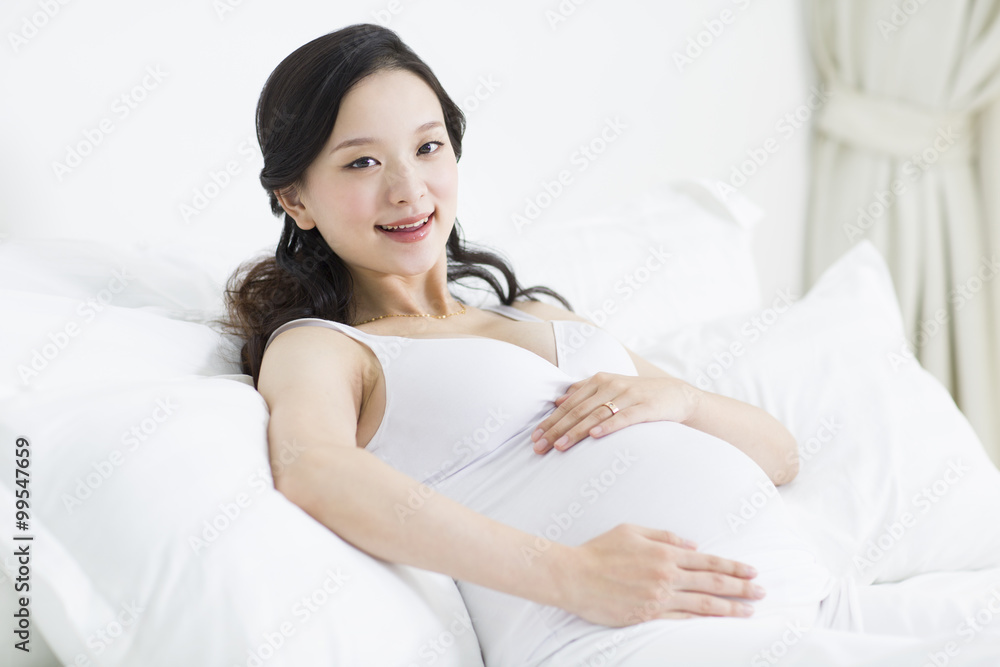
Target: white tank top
[{"x": 458, "y": 417}]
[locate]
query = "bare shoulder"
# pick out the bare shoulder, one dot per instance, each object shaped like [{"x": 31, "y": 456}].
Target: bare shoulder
[
  {"x": 548, "y": 311},
  {"x": 307, "y": 353},
  {"x": 314, "y": 380}
]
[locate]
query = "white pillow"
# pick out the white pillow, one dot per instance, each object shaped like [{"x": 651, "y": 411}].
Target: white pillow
[
  {"x": 106, "y": 351},
  {"x": 893, "y": 480},
  {"x": 160, "y": 540},
  {"x": 64, "y": 342},
  {"x": 174, "y": 283},
  {"x": 677, "y": 255},
  {"x": 89, "y": 313}
]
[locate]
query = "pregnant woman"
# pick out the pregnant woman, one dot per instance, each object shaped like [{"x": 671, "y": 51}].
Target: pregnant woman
[{"x": 587, "y": 504}]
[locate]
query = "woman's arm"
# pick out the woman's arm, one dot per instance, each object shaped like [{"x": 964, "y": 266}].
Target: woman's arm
[
  {"x": 314, "y": 381},
  {"x": 748, "y": 428}
]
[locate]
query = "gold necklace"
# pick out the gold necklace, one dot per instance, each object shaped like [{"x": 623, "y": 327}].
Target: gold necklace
[{"x": 439, "y": 317}]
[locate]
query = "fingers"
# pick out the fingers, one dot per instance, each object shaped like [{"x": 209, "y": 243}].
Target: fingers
[
  {"x": 703, "y": 593},
  {"x": 707, "y": 572},
  {"x": 580, "y": 421},
  {"x": 721, "y": 584},
  {"x": 568, "y": 423},
  {"x": 569, "y": 390},
  {"x": 663, "y": 536},
  {"x": 696, "y": 560},
  {"x": 609, "y": 425},
  {"x": 633, "y": 573},
  {"x": 688, "y": 593},
  {"x": 706, "y": 579},
  {"x": 575, "y": 420},
  {"x": 700, "y": 604},
  {"x": 581, "y": 412}
]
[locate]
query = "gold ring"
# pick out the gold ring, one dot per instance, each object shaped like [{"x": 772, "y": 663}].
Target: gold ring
[{"x": 611, "y": 405}]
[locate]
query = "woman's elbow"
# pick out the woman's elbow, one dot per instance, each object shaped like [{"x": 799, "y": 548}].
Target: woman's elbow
[{"x": 788, "y": 467}]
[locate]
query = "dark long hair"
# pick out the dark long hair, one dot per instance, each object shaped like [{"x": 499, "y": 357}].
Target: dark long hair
[{"x": 295, "y": 116}]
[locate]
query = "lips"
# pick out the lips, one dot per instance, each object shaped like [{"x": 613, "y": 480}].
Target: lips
[
  {"x": 407, "y": 224},
  {"x": 409, "y": 230}
]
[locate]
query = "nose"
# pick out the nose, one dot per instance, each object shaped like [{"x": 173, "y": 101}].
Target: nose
[{"x": 405, "y": 184}]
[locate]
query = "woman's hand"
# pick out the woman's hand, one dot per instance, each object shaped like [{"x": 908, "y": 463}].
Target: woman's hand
[
  {"x": 632, "y": 574},
  {"x": 581, "y": 410}
]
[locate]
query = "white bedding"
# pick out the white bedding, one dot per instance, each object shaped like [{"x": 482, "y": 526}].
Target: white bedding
[
  {"x": 151, "y": 490},
  {"x": 909, "y": 627}
]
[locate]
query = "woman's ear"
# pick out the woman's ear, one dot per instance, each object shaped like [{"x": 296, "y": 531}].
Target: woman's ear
[{"x": 291, "y": 202}]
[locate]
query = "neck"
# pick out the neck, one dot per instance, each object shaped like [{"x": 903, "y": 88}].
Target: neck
[{"x": 387, "y": 294}]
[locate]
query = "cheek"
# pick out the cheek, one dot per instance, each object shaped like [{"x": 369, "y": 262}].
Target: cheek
[
  {"x": 350, "y": 204},
  {"x": 444, "y": 182}
]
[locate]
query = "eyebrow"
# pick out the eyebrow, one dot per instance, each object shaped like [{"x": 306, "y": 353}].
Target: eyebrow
[{"x": 364, "y": 141}]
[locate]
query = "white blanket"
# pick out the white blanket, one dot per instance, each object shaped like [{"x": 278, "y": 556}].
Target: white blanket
[{"x": 160, "y": 539}]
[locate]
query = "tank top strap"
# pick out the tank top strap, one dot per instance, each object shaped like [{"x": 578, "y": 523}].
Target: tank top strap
[
  {"x": 512, "y": 312},
  {"x": 370, "y": 339},
  {"x": 320, "y": 322}
]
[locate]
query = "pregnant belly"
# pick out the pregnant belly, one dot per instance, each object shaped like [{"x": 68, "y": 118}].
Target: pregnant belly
[{"x": 659, "y": 474}]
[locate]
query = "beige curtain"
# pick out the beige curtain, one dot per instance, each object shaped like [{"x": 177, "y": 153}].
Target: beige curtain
[{"x": 900, "y": 158}]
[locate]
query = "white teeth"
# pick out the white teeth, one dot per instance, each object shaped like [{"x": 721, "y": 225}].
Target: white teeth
[{"x": 415, "y": 224}]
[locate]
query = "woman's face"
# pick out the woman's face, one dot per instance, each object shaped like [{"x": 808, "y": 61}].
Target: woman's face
[{"x": 388, "y": 161}]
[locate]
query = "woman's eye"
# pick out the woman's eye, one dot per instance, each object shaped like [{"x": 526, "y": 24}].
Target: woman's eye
[
  {"x": 426, "y": 149},
  {"x": 434, "y": 146},
  {"x": 361, "y": 163}
]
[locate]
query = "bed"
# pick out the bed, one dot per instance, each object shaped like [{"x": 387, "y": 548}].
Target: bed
[
  {"x": 157, "y": 535},
  {"x": 159, "y": 538}
]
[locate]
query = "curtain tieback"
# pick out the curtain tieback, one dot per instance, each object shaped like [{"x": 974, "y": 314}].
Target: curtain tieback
[{"x": 895, "y": 128}]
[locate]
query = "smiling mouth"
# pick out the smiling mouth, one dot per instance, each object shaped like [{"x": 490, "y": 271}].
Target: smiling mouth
[{"x": 405, "y": 228}]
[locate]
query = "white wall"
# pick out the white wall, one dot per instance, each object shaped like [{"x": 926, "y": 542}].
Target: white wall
[{"x": 554, "y": 87}]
